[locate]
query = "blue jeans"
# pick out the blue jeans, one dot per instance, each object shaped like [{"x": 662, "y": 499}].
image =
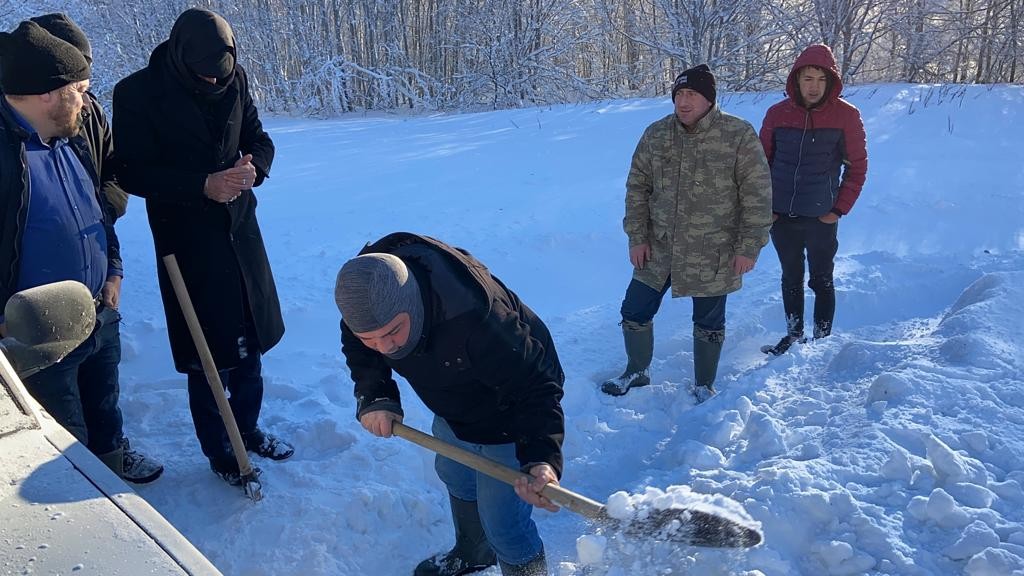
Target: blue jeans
[
  {"x": 642, "y": 303},
  {"x": 244, "y": 385},
  {"x": 81, "y": 391},
  {"x": 504, "y": 515}
]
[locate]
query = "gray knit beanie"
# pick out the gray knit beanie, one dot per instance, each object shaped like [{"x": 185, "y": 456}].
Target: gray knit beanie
[{"x": 374, "y": 288}]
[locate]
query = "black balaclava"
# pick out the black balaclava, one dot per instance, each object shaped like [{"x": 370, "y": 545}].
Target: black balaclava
[{"x": 202, "y": 44}]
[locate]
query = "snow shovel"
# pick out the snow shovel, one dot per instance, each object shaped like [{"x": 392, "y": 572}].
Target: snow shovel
[
  {"x": 250, "y": 482},
  {"x": 685, "y": 526}
]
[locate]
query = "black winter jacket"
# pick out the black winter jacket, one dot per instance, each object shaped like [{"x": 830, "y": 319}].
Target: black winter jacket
[
  {"x": 485, "y": 362},
  {"x": 168, "y": 140},
  {"x": 14, "y": 199},
  {"x": 101, "y": 143}
]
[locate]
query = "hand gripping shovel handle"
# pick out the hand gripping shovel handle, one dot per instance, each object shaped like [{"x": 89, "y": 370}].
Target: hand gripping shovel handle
[
  {"x": 250, "y": 483},
  {"x": 561, "y": 496}
]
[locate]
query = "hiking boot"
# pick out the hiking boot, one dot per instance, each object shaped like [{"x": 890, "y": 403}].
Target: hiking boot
[
  {"x": 137, "y": 467},
  {"x": 622, "y": 384},
  {"x": 267, "y": 445},
  {"x": 639, "y": 341},
  {"x": 471, "y": 553},
  {"x": 783, "y": 345},
  {"x": 227, "y": 470},
  {"x": 114, "y": 460}
]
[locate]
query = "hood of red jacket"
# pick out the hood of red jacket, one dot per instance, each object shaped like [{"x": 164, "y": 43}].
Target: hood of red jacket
[{"x": 821, "y": 56}]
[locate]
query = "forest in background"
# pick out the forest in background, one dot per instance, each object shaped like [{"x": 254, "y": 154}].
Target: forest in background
[{"x": 329, "y": 57}]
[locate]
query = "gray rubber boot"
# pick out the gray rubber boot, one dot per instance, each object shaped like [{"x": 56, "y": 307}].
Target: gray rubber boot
[
  {"x": 114, "y": 460},
  {"x": 639, "y": 340},
  {"x": 707, "y": 349},
  {"x": 472, "y": 551},
  {"x": 536, "y": 567}
]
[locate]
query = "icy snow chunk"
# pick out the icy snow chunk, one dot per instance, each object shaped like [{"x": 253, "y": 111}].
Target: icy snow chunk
[
  {"x": 1009, "y": 490},
  {"x": 897, "y": 467},
  {"x": 939, "y": 508},
  {"x": 993, "y": 562},
  {"x": 725, "y": 431},
  {"x": 841, "y": 559},
  {"x": 590, "y": 549},
  {"x": 702, "y": 457},
  {"x": 976, "y": 538},
  {"x": 764, "y": 436},
  {"x": 888, "y": 387},
  {"x": 949, "y": 465},
  {"x": 815, "y": 505},
  {"x": 976, "y": 440},
  {"x": 971, "y": 495}
]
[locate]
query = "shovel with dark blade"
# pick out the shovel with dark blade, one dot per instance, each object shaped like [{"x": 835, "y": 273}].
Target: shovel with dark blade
[
  {"x": 247, "y": 475},
  {"x": 683, "y": 525}
]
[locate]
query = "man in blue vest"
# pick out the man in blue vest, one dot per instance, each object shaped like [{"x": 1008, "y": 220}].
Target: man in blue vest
[{"x": 55, "y": 228}]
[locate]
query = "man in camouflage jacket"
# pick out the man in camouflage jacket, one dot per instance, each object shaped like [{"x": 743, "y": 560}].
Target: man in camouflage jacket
[{"x": 698, "y": 211}]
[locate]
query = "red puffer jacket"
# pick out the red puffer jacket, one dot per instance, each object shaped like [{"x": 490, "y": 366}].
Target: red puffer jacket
[{"x": 818, "y": 156}]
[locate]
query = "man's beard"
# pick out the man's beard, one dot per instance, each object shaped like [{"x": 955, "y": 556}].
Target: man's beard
[{"x": 66, "y": 120}]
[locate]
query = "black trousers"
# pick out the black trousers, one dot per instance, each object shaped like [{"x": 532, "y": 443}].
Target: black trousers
[
  {"x": 793, "y": 237},
  {"x": 244, "y": 385}
]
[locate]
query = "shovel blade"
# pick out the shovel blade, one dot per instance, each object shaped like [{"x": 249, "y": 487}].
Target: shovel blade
[
  {"x": 693, "y": 528},
  {"x": 252, "y": 487}
]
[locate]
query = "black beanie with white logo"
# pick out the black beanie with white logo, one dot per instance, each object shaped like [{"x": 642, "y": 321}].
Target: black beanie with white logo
[{"x": 700, "y": 79}]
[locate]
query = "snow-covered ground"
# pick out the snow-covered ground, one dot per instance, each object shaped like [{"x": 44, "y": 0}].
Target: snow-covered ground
[{"x": 893, "y": 447}]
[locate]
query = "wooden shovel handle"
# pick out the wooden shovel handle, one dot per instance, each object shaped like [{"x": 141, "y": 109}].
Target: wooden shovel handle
[
  {"x": 212, "y": 375},
  {"x": 561, "y": 496}
]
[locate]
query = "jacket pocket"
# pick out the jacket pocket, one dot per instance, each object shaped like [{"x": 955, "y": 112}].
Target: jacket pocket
[{"x": 715, "y": 256}]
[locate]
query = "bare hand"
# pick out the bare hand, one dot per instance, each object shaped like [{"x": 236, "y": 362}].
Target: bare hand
[
  {"x": 111, "y": 292},
  {"x": 529, "y": 488},
  {"x": 640, "y": 255},
  {"x": 741, "y": 264},
  {"x": 227, "y": 185},
  {"x": 379, "y": 422},
  {"x": 3, "y": 329},
  {"x": 775, "y": 216},
  {"x": 830, "y": 218}
]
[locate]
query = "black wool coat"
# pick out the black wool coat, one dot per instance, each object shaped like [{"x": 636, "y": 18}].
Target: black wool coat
[
  {"x": 485, "y": 362},
  {"x": 168, "y": 140}
]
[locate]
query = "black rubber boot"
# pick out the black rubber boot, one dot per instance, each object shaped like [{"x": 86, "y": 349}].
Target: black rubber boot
[
  {"x": 707, "y": 349},
  {"x": 471, "y": 553},
  {"x": 793, "y": 305},
  {"x": 824, "y": 305},
  {"x": 639, "y": 340},
  {"x": 536, "y": 567}
]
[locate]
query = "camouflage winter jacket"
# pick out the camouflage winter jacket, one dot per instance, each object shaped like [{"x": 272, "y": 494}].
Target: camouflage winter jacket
[{"x": 698, "y": 198}]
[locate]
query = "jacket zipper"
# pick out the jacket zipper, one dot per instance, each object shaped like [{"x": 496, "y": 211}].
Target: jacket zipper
[{"x": 799, "y": 160}]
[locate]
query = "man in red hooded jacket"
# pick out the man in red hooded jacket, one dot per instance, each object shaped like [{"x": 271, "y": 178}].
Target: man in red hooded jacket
[{"x": 817, "y": 152}]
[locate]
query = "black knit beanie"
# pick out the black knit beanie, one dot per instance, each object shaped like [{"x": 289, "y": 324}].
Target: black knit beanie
[
  {"x": 374, "y": 288},
  {"x": 63, "y": 27},
  {"x": 33, "y": 61},
  {"x": 699, "y": 79}
]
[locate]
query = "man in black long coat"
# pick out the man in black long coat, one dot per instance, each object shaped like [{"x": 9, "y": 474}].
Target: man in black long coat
[
  {"x": 190, "y": 142},
  {"x": 483, "y": 363}
]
